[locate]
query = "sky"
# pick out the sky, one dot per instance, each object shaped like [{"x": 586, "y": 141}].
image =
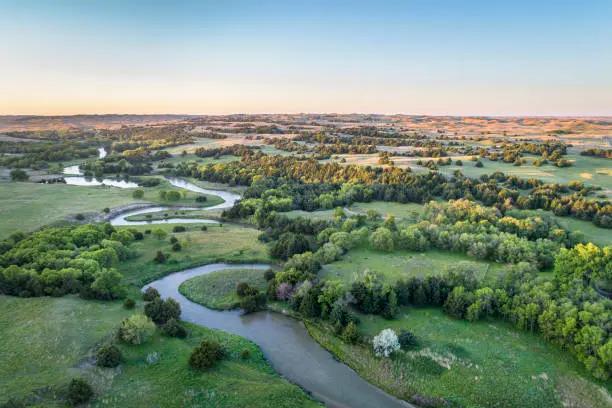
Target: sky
[{"x": 518, "y": 57}]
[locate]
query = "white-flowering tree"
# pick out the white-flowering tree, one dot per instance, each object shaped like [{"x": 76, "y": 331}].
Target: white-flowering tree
[{"x": 385, "y": 343}]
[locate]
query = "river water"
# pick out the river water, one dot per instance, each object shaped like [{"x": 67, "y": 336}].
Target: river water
[
  {"x": 285, "y": 343},
  {"x": 74, "y": 176}
]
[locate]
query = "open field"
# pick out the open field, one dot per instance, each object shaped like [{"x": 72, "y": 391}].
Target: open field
[
  {"x": 403, "y": 212},
  {"x": 48, "y": 341},
  {"x": 217, "y": 290},
  {"x": 226, "y": 243},
  {"x": 28, "y": 206},
  {"x": 481, "y": 364},
  {"x": 400, "y": 264}
]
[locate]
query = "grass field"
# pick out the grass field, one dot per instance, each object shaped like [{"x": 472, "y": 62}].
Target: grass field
[
  {"x": 28, "y": 206},
  {"x": 48, "y": 341},
  {"x": 217, "y": 290},
  {"x": 483, "y": 364},
  {"x": 225, "y": 243},
  {"x": 400, "y": 264},
  {"x": 404, "y": 212}
]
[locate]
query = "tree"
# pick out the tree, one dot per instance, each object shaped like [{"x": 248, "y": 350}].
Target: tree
[
  {"x": 150, "y": 294},
  {"x": 350, "y": 334},
  {"x": 160, "y": 311},
  {"x": 136, "y": 329},
  {"x": 382, "y": 239},
  {"x": 19, "y": 175},
  {"x": 173, "y": 195},
  {"x": 108, "y": 356},
  {"x": 385, "y": 343},
  {"x": 159, "y": 233},
  {"x": 407, "y": 339},
  {"x": 288, "y": 245},
  {"x": 160, "y": 257},
  {"x": 79, "y": 392},
  {"x": 107, "y": 285},
  {"x": 173, "y": 328},
  {"x": 138, "y": 194},
  {"x": 206, "y": 355}
]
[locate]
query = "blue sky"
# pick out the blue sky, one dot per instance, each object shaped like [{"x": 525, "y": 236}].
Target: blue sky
[{"x": 421, "y": 57}]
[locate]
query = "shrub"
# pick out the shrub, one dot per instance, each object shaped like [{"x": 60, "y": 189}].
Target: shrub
[
  {"x": 160, "y": 257},
  {"x": 106, "y": 210},
  {"x": 79, "y": 217},
  {"x": 136, "y": 329},
  {"x": 79, "y": 392},
  {"x": 245, "y": 354},
  {"x": 173, "y": 239},
  {"x": 177, "y": 247},
  {"x": 179, "y": 228},
  {"x": 385, "y": 343},
  {"x": 200, "y": 199},
  {"x": 269, "y": 275},
  {"x": 150, "y": 294},
  {"x": 147, "y": 232},
  {"x": 19, "y": 175},
  {"x": 138, "y": 194},
  {"x": 407, "y": 339},
  {"x": 206, "y": 355},
  {"x": 108, "y": 356},
  {"x": 138, "y": 236},
  {"x": 204, "y": 228},
  {"x": 129, "y": 303},
  {"x": 159, "y": 233},
  {"x": 243, "y": 289},
  {"x": 173, "y": 328},
  {"x": 479, "y": 164},
  {"x": 253, "y": 303},
  {"x": 350, "y": 334},
  {"x": 160, "y": 311}
]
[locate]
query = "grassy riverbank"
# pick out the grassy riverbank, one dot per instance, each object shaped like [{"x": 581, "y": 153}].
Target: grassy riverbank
[
  {"x": 217, "y": 290},
  {"x": 48, "y": 341},
  {"x": 219, "y": 243},
  {"x": 481, "y": 364}
]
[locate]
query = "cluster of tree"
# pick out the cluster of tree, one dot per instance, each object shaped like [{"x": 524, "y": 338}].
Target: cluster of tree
[
  {"x": 233, "y": 150},
  {"x": 58, "y": 261},
  {"x": 603, "y": 153},
  {"x": 395, "y": 184},
  {"x": 39, "y": 155}
]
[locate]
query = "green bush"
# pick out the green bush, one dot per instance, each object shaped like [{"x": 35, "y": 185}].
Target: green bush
[
  {"x": 179, "y": 228},
  {"x": 269, "y": 275},
  {"x": 206, "y": 355},
  {"x": 160, "y": 311},
  {"x": 150, "y": 294},
  {"x": 160, "y": 257},
  {"x": 350, "y": 334},
  {"x": 177, "y": 247},
  {"x": 136, "y": 329},
  {"x": 173, "y": 328},
  {"x": 407, "y": 339},
  {"x": 245, "y": 354},
  {"x": 108, "y": 356},
  {"x": 79, "y": 392},
  {"x": 129, "y": 303}
]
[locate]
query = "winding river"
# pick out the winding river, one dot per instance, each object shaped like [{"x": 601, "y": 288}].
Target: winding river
[
  {"x": 285, "y": 343},
  {"x": 284, "y": 340}
]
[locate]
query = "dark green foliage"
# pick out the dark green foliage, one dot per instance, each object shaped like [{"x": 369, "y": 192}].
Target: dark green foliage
[
  {"x": 79, "y": 392},
  {"x": 253, "y": 303},
  {"x": 243, "y": 289},
  {"x": 108, "y": 356},
  {"x": 288, "y": 245},
  {"x": 173, "y": 239},
  {"x": 269, "y": 275},
  {"x": 176, "y": 246},
  {"x": 150, "y": 294},
  {"x": 206, "y": 355},
  {"x": 200, "y": 199},
  {"x": 204, "y": 228},
  {"x": 179, "y": 228},
  {"x": 173, "y": 328},
  {"x": 407, "y": 339},
  {"x": 160, "y": 311},
  {"x": 160, "y": 257},
  {"x": 129, "y": 303},
  {"x": 19, "y": 175},
  {"x": 245, "y": 354}
]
